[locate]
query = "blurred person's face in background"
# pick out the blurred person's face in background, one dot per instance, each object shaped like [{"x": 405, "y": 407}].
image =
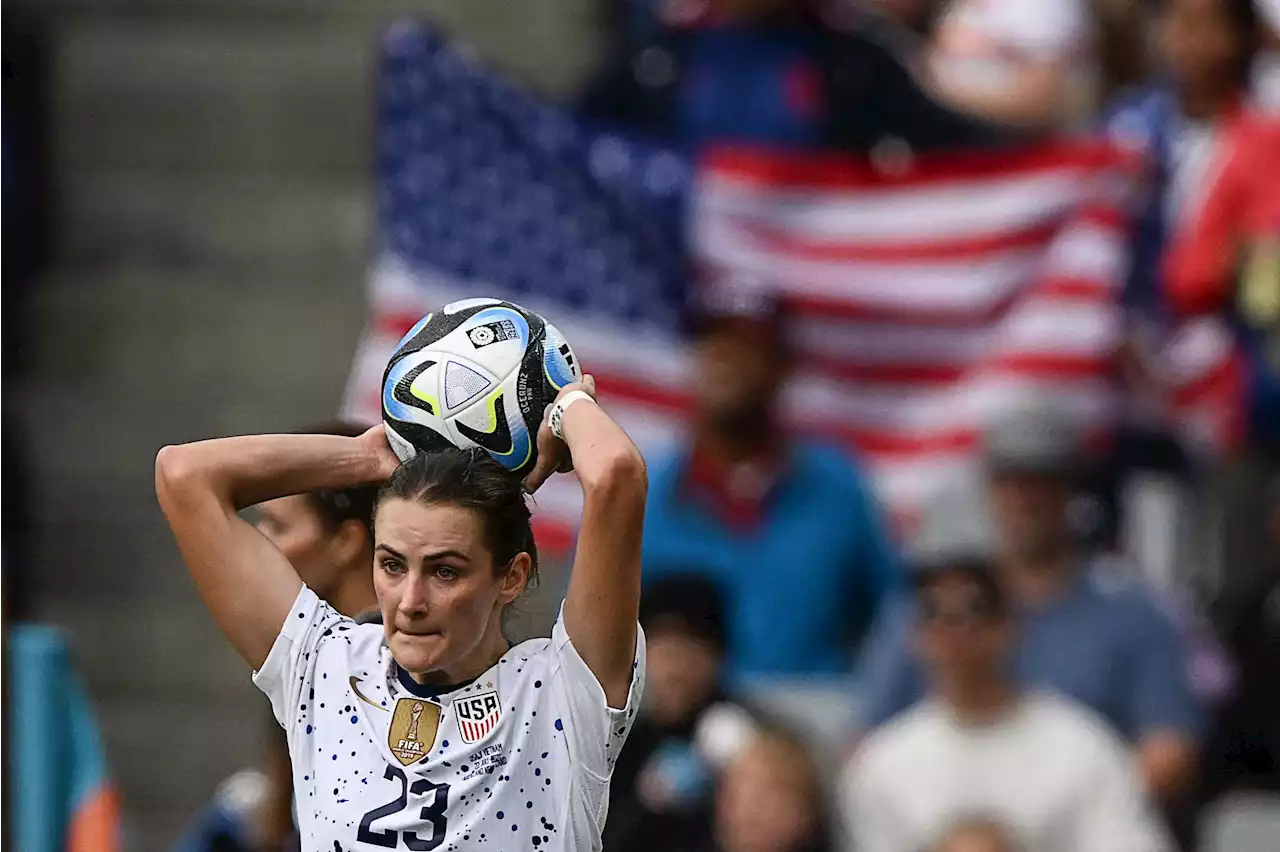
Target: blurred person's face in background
[
  {"x": 1030, "y": 512},
  {"x": 976, "y": 837},
  {"x": 322, "y": 554},
  {"x": 1200, "y": 44},
  {"x": 768, "y": 800},
  {"x": 682, "y": 672},
  {"x": 962, "y": 632},
  {"x": 440, "y": 594},
  {"x": 740, "y": 367}
]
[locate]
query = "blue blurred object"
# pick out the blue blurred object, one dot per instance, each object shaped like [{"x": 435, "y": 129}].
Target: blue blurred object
[
  {"x": 57, "y": 772},
  {"x": 801, "y": 586},
  {"x": 680, "y": 773}
]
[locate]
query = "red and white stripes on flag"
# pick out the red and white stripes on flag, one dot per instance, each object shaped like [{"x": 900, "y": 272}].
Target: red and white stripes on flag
[{"x": 924, "y": 299}]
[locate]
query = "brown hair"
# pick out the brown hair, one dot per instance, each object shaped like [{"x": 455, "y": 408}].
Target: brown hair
[{"x": 471, "y": 479}]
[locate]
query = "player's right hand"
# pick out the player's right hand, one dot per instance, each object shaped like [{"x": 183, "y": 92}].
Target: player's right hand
[{"x": 381, "y": 456}]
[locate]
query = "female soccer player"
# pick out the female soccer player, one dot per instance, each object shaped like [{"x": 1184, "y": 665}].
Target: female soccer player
[{"x": 432, "y": 729}]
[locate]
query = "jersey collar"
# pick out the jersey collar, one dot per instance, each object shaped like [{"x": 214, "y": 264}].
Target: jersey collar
[{"x": 422, "y": 690}]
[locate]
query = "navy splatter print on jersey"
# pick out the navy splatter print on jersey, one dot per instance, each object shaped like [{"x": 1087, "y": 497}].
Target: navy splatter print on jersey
[{"x": 379, "y": 761}]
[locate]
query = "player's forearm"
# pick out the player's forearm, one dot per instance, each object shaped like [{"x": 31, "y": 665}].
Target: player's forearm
[
  {"x": 251, "y": 469},
  {"x": 606, "y": 460}
]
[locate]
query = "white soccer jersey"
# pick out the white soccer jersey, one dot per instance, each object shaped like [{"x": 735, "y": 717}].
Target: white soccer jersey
[{"x": 518, "y": 759}]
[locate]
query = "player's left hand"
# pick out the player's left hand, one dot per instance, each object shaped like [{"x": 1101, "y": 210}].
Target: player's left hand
[{"x": 553, "y": 455}]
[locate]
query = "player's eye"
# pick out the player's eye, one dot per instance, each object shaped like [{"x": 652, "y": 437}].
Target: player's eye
[
  {"x": 392, "y": 566},
  {"x": 444, "y": 572}
]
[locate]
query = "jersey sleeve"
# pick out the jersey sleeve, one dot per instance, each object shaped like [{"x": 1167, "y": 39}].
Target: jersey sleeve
[
  {"x": 595, "y": 731},
  {"x": 290, "y": 667}
]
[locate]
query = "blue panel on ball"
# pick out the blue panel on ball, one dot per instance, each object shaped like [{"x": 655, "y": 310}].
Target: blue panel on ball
[
  {"x": 413, "y": 332},
  {"x": 558, "y": 360}
]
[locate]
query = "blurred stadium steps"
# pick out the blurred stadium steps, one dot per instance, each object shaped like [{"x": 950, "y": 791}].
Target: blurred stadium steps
[{"x": 212, "y": 236}]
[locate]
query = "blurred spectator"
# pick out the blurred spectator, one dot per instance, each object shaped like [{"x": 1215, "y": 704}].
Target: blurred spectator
[
  {"x": 328, "y": 536},
  {"x": 1266, "y": 67},
  {"x": 661, "y": 793},
  {"x": 786, "y": 528},
  {"x": 976, "y": 835},
  {"x": 770, "y": 799},
  {"x": 777, "y": 72},
  {"x": 1030, "y": 65},
  {"x": 1246, "y": 752},
  {"x": 65, "y": 801},
  {"x": 980, "y": 744},
  {"x": 1097, "y": 637},
  {"x": 1178, "y": 124},
  {"x": 1225, "y": 262},
  {"x": 1205, "y": 49}
]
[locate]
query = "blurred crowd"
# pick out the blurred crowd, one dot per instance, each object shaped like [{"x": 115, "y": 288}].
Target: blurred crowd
[{"x": 1019, "y": 679}]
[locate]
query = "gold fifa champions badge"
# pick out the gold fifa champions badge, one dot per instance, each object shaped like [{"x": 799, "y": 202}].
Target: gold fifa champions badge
[{"x": 413, "y": 729}]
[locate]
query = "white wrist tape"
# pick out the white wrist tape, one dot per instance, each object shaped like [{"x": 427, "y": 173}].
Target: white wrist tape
[{"x": 556, "y": 418}]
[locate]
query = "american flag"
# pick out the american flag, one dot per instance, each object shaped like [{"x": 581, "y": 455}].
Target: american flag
[{"x": 927, "y": 293}]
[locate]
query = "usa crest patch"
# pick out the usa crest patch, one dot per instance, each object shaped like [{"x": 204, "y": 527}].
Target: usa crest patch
[{"x": 477, "y": 715}]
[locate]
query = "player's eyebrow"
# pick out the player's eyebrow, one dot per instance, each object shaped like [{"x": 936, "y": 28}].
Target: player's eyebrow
[
  {"x": 389, "y": 549},
  {"x": 429, "y": 558},
  {"x": 446, "y": 554}
]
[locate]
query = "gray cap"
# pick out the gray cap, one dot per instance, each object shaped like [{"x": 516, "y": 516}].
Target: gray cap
[
  {"x": 1034, "y": 436},
  {"x": 956, "y": 528}
]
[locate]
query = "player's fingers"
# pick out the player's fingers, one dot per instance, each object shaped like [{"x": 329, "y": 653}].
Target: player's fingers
[
  {"x": 537, "y": 476},
  {"x": 547, "y": 458}
]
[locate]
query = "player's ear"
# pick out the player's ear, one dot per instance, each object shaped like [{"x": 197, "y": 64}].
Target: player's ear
[{"x": 515, "y": 579}]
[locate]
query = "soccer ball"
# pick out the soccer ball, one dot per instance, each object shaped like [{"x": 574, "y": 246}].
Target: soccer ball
[{"x": 478, "y": 372}]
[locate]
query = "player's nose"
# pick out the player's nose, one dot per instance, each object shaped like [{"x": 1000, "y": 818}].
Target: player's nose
[{"x": 413, "y": 597}]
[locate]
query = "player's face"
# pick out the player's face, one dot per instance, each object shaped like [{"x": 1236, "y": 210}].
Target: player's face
[
  {"x": 294, "y": 526},
  {"x": 440, "y": 596}
]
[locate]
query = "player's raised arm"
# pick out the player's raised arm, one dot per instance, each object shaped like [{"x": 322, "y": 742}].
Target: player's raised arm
[
  {"x": 245, "y": 581},
  {"x": 603, "y": 601}
]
